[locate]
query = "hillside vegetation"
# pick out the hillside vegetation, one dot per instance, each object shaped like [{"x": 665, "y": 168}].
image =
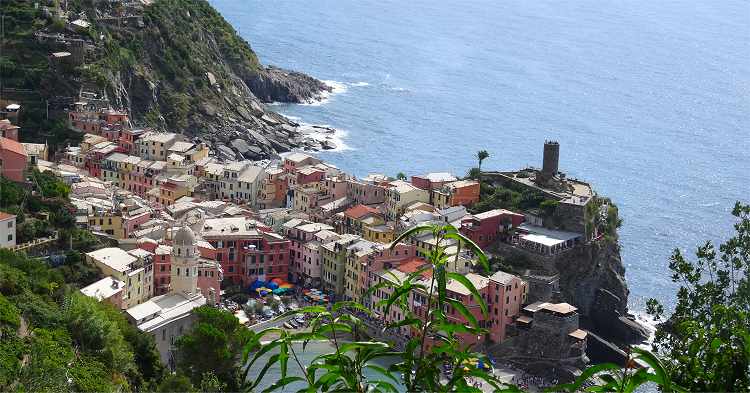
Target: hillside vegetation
[
  {"x": 176, "y": 65},
  {"x": 54, "y": 339}
]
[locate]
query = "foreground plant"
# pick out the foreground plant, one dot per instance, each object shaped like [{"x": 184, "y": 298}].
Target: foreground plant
[
  {"x": 707, "y": 338},
  {"x": 643, "y": 367}
]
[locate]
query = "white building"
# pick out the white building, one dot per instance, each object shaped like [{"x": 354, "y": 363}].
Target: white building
[
  {"x": 108, "y": 289},
  {"x": 7, "y": 230}
]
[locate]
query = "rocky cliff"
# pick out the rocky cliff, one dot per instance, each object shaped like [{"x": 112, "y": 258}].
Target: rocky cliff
[
  {"x": 591, "y": 277},
  {"x": 173, "y": 64}
]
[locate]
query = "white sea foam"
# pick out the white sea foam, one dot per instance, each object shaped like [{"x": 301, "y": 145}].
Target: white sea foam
[
  {"x": 359, "y": 84},
  {"x": 336, "y": 136},
  {"x": 650, "y": 323}
]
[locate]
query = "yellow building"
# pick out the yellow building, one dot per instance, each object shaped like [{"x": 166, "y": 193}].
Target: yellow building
[
  {"x": 401, "y": 194},
  {"x": 355, "y": 255},
  {"x": 115, "y": 262},
  {"x": 334, "y": 264},
  {"x": 384, "y": 233},
  {"x": 175, "y": 188},
  {"x": 107, "y": 222}
]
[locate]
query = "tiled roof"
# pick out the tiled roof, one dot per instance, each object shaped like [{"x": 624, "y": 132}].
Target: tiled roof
[
  {"x": 11, "y": 145},
  {"x": 360, "y": 211}
]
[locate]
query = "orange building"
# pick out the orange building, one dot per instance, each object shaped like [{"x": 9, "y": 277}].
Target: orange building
[{"x": 462, "y": 192}]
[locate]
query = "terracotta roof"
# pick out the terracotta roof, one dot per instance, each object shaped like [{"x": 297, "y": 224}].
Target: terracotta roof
[
  {"x": 360, "y": 211},
  {"x": 578, "y": 334},
  {"x": 560, "y": 308},
  {"x": 412, "y": 265},
  {"x": 11, "y": 145},
  {"x": 5, "y": 216}
]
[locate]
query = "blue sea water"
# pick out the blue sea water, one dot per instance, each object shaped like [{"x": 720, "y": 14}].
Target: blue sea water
[{"x": 650, "y": 100}]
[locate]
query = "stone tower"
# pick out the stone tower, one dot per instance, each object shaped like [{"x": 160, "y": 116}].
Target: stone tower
[
  {"x": 184, "y": 273},
  {"x": 551, "y": 159}
]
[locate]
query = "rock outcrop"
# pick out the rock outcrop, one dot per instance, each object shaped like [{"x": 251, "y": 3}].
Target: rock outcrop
[{"x": 274, "y": 84}]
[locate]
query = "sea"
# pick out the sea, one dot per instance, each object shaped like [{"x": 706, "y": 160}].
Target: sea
[{"x": 650, "y": 100}]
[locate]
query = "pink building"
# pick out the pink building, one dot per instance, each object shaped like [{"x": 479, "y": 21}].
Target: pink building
[
  {"x": 12, "y": 160},
  {"x": 299, "y": 234},
  {"x": 307, "y": 175},
  {"x": 162, "y": 266},
  {"x": 127, "y": 139},
  {"x": 502, "y": 292},
  {"x": 294, "y": 161},
  {"x": 209, "y": 272},
  {"x": 400, "y": 274},
  {"x": 485, "y": 228},
  {"x": 132, "y": 221},
  {"x": 209, "y": 278},
  {"x": 383, "y": 259},
  {"x": 247, "y": 250},
  {"x": 310, "y": 268},
  {"x": 366, "y": 193}
]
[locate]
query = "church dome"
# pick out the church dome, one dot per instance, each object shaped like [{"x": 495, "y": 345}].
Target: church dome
[{"x": 184, "y": 237}]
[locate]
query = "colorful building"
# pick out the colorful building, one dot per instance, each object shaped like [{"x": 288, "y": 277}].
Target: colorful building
[
  {"x": 247, "y": 250},
  {"x": 432, "y": 181},
  {"x": 457, "y": 193},
  {"x": 400, "y": 195},
  {"x": 486, "y": 228},
  {"x": 115, "y": 262},
  {"x": 13, "y": 160}
]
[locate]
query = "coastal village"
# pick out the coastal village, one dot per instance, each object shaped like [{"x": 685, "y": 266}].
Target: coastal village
[{"x": 190, "y": 226}]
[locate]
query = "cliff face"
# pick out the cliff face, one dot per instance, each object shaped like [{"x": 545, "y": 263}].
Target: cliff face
[
  {"x": 591, "y": 277},
  {"x": 176, "y": 65},
  {"x": 587, "y": 269}
]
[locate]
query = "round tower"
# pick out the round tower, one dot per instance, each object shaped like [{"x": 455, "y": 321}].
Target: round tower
[
  {"x": 551, "y": 159},
  {"x": 184, "y": 273}
]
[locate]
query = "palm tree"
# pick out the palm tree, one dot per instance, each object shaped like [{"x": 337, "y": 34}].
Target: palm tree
[{"x": 481, "y": 156}]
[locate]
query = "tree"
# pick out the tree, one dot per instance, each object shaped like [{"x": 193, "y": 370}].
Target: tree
[
  {"x": 707, "y": 337},
  {"x": 213, "y": 346},
  {"x": 474, "y": 173},
  {"x": 211, "y": 384},
  {"x": 401, "y": 176},
  {"x": 548, "y": 207},
  {"x": 481, "y": 156},
  {"x": 174, "y": 383}
]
